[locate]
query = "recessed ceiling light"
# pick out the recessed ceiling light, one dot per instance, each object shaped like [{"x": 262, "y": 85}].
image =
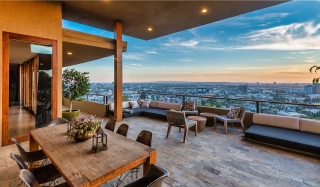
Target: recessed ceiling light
[
  {"x": 69, "y": 53},
  {"x": 204, "y": 10},
  {"x": 149, "y": 29}
]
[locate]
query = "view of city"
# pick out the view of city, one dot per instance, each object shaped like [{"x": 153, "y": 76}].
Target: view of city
[
  {"x": 270, "y": 98},
  {"x": 263, "y": 64}
]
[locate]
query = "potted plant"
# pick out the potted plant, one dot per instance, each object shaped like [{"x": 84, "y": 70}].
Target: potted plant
[
  {"x": 83, "y": 128},
  {"x": 75, "y": 84}
]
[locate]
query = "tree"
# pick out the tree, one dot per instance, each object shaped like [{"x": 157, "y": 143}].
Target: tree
[
  {"x": 74, "y": 85},
  {"x": 315, "y": 69}
]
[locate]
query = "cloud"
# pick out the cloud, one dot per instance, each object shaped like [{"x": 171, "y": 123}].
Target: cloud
[
  {"x": 264, "y": 17},
  {"x": 310, "y": 59},
  {"x": 137, "y": 65},
  {"x": 133, "y": 56},
  {"x": 288, "y": 57},
  {"x": 164, "y": 66},
  {"x": 185, "y": 60},
  {"x": 295, "y": 36},
  {"x": 191, "y": 43},
  {"x": 151, "y": 52}
]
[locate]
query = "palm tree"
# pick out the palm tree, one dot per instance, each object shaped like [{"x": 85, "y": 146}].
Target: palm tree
[{"x": 314, "y": 69}]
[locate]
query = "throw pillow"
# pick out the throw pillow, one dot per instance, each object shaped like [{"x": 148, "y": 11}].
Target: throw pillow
[
  {"x": 140, "y": 101},
  {"x": 134, "y": 104},
  {"x": 234, "y": 112},
  {"x": 145, "y": 104},
  {"x": 189, "y": 105}
]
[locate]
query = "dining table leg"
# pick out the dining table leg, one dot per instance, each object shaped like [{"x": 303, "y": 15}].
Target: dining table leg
[
  {"x": 151, "y": 160},
  {"x": 33, "y": 146}
]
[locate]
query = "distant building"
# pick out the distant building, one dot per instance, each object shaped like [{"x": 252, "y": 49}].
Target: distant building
[
  {"x": 308, "y": 89},
  {"x": 243, "y": 88},
  {"x": 312, "y": 89}
]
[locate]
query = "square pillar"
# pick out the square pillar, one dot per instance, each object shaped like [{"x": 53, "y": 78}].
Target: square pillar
[{"x": 118, "y": 71}]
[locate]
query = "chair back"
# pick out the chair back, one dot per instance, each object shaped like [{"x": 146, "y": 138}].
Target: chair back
[
  {"x": 111, "y": 124},
  {"x": 123, "y": 130},
  {"x": 19, "y": 161},
  {"x": 242, "y": 113},
  {"x": 23, "y": 153},
  {"x": 57, "y": 121},
  {"x": 28, "y": 178},
  {"x": 156, "y": 175},
  {"x": 145, "y": 137},
  {"x": 176, "y": 118}
]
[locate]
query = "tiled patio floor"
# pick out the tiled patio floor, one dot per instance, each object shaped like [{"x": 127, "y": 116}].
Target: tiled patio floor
[{"x": 209, "y": 159}]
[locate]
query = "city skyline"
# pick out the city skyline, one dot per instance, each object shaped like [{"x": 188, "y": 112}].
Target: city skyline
[{"x": 276, "y": 44}]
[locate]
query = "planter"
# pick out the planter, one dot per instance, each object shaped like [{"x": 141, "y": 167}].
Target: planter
[
  {"x": 66, "y": 114},
  {"x": 83, "y": 137}
]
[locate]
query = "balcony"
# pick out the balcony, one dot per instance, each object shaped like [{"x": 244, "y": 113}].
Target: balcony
[{"x": 209, "y": 159}]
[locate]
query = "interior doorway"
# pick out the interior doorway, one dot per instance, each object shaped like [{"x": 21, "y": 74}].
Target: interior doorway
[{"x": 28, "y": 100}]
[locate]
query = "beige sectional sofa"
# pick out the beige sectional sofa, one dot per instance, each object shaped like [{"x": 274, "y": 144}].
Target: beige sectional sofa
[{"x": 288, "y": 132}]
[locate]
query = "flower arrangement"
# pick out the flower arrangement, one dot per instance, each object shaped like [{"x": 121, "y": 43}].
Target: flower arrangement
[{"x": 84, "y": 125}]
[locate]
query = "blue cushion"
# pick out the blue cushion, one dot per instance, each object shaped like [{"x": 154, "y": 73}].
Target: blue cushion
[{"x": 288, "y": 138}]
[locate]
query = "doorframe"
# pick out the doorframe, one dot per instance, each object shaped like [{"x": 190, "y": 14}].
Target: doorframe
[{"x": 6, "y": 37}]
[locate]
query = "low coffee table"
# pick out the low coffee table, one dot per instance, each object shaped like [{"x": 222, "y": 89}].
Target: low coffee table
[
  {"x": 201, "y": 122},
  {"x": 210, "y": 118}
]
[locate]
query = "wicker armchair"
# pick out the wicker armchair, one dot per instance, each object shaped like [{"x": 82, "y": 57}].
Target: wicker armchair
[
  {"x": 226, "y": 120},
  {"x": 178, "y": 119}
]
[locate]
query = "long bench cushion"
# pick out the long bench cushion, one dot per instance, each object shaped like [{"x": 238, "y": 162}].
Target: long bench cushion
[
  {"x": 154, "y": 112},
  {"x": 292, "y": 139},
  {"x": 308, "y": 125},
  {"x": 153, "y": 104},
  {"x": 125, "y": 104},
  {"x": 276, "y": 121},
  {"x": 168, "y": 106}
]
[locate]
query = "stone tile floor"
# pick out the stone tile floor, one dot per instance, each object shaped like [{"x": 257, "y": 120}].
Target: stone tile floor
[{"x": 210, "y": 159}]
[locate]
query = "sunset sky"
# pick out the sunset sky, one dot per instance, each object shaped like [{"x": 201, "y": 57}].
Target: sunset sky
[{"x": 276, "y": 44}]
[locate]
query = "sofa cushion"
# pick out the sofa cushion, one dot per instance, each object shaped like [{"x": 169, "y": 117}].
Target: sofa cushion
[
  {"x": 292, "y": 139},
  {"x": 155, "y": 113},
  {"x": 276, "y": 121},
  {"x": 234, "y": 112},
  {"x": 124, "y": 105},
  {"x": 145, "y": 104},
  {"x": 308, "y": 125},
  {"x": 134, "y": 104},
  {"x": 189, "y": 105},
  {"x": 153, "y": 104},
  {"x": 168, "y": 106}
]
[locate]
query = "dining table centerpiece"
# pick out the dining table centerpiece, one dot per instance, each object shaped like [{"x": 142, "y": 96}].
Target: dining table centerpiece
[{"x": 83, "y": 128}]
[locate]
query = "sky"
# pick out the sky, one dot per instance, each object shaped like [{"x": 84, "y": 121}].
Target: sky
[{"x": 275, "y": 44}]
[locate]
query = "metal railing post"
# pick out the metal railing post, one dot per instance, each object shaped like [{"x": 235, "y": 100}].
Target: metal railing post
[
  {"x": 87, "y": 97},
  {"x": 106, "y": 99},
  {"x": 183, "y": 98},
  {"x": 257, "y": 106}
]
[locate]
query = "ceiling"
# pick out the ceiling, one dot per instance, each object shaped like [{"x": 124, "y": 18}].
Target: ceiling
[
  {"x": 165, "y": 17},
  {"x": 84, "y": 48}
]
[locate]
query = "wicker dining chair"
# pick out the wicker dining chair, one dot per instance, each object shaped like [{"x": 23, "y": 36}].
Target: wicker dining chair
[
  {"x": 111, "y": 124},
  {"x": 178, "y": 119},
  {"x": 123, "y": 130}
]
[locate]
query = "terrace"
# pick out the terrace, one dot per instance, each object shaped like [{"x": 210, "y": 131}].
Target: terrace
[
  {"x": 209, "y": 159},
  {"x": 212, "y": 158}
]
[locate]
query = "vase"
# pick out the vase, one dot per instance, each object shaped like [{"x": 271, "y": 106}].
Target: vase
[{"x": 82, "y": 137}]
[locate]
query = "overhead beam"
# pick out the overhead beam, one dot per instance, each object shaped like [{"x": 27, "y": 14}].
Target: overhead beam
[{"x": 118, "y": 71}]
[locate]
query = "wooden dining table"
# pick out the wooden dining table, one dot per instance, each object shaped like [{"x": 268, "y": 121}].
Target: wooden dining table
[{"x": 80, "y": 166}]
